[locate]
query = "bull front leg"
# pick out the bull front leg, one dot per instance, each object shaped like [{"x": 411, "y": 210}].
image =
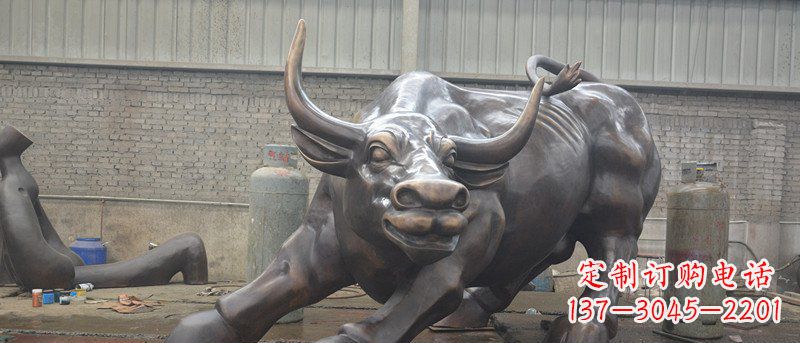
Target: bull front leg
[
  {"x": 436, "y": 290},
  {"x": 479, "y": 303},
  {"x": 306, "y": 270},
  {"x": 432, "y": 295}
]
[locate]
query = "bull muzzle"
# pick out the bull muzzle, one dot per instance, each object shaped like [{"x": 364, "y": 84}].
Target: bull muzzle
[
  {"x": 427, "y": 218},
  {"x": 430, "y": 194}
]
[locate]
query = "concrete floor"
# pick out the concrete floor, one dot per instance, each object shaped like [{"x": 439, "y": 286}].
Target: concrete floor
[{"x": 86, "y": 323}]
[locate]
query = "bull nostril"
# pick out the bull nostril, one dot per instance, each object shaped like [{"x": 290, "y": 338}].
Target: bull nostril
[
  {"x": 407, "y": 197},
  {"x": 461, "y": 199}
]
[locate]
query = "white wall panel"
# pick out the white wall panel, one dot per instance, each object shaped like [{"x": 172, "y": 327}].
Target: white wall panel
[
  {"x": 705, "y": 42},
  {"x": 362, "y": 34},
  {"x": 739, "y": 43}
]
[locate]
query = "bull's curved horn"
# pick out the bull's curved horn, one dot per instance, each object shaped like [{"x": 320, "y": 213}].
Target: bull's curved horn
[
  {"x": 501, "y": 149},
  {"x": 307, "y": 115}
]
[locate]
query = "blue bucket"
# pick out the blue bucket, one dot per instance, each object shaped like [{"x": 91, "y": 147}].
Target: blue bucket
[{"x": 91, "y": 250}]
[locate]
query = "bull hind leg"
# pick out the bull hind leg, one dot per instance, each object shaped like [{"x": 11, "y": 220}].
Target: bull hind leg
[
  {"x": 479, "y": 303},
  {"x": 601, "y": 247},
  {"x": 609, "y": 232},
  {"x": 306, "y": 270}
]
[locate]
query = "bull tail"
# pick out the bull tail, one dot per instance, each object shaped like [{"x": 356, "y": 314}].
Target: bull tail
[{"x": 567, "y": 76}]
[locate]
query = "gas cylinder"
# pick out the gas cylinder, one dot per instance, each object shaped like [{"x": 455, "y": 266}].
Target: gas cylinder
[
  {"x": 278, "y": 201},
  {"x": 697, "y": 229}
]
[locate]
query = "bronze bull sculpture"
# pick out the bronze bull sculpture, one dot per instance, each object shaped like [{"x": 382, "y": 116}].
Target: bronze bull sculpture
[{"x": 443, "y": 202}]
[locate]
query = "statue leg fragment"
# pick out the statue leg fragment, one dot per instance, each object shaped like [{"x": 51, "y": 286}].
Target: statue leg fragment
[
  {"x": 32, "y": 262},
  {"x": 184, "y": 253},
  {"x": 479, "y": 303}
]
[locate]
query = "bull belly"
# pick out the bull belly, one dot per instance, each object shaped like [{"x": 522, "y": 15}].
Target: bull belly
[{"x": 523, "y": 248}]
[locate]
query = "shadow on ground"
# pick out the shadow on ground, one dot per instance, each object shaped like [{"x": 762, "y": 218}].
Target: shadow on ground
[{"x": 84, "y": 322}]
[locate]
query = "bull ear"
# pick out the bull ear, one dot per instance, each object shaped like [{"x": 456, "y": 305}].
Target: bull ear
[
  {"x": 475, "y": 175},
  {"x": 321, "y": 154}
]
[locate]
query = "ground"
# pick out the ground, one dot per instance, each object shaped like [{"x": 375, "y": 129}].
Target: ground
[{"x": 86, "y": 323}]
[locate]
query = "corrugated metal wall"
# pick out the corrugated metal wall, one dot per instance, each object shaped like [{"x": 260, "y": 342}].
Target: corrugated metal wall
[
  {"x": 361, "y": 34},
  {"x": 702, "y": 43},
  {"x": 732, "y": 42}
]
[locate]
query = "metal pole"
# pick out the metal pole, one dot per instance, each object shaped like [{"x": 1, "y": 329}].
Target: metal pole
[{"x": 102, "y": 209}]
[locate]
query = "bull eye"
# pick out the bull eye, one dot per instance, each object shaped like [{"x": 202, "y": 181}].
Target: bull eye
[
  {"x": 378, "y": 155},
  {"x": 450, "y": 159}
]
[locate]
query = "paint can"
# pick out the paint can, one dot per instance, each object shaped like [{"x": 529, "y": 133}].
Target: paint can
[
  {"x": 57, "y": 293},
  {"x": 47, "y": 297},
  {"x": 36, "y": 295},
  {"x": 64, "y": 300},
  {"x": 80, "y": 295}
]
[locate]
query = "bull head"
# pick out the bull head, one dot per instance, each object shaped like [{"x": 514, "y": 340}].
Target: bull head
[{"x": 400, "y": 168}]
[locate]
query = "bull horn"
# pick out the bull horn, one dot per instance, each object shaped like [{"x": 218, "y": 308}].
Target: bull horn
[
  {"x": 307, "y": 115},
  {"x": 501, "y": 149}
]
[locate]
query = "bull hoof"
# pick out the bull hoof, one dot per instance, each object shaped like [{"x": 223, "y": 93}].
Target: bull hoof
[
  {"x": 562, "y": 331},
  {"x": 203, "y": 327},
  {"x": 337, "y": 339},
  {"x": 469, "y": 315}
]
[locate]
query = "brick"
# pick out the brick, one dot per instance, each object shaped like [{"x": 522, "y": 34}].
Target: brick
[{"x": 197, "y": 135}]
